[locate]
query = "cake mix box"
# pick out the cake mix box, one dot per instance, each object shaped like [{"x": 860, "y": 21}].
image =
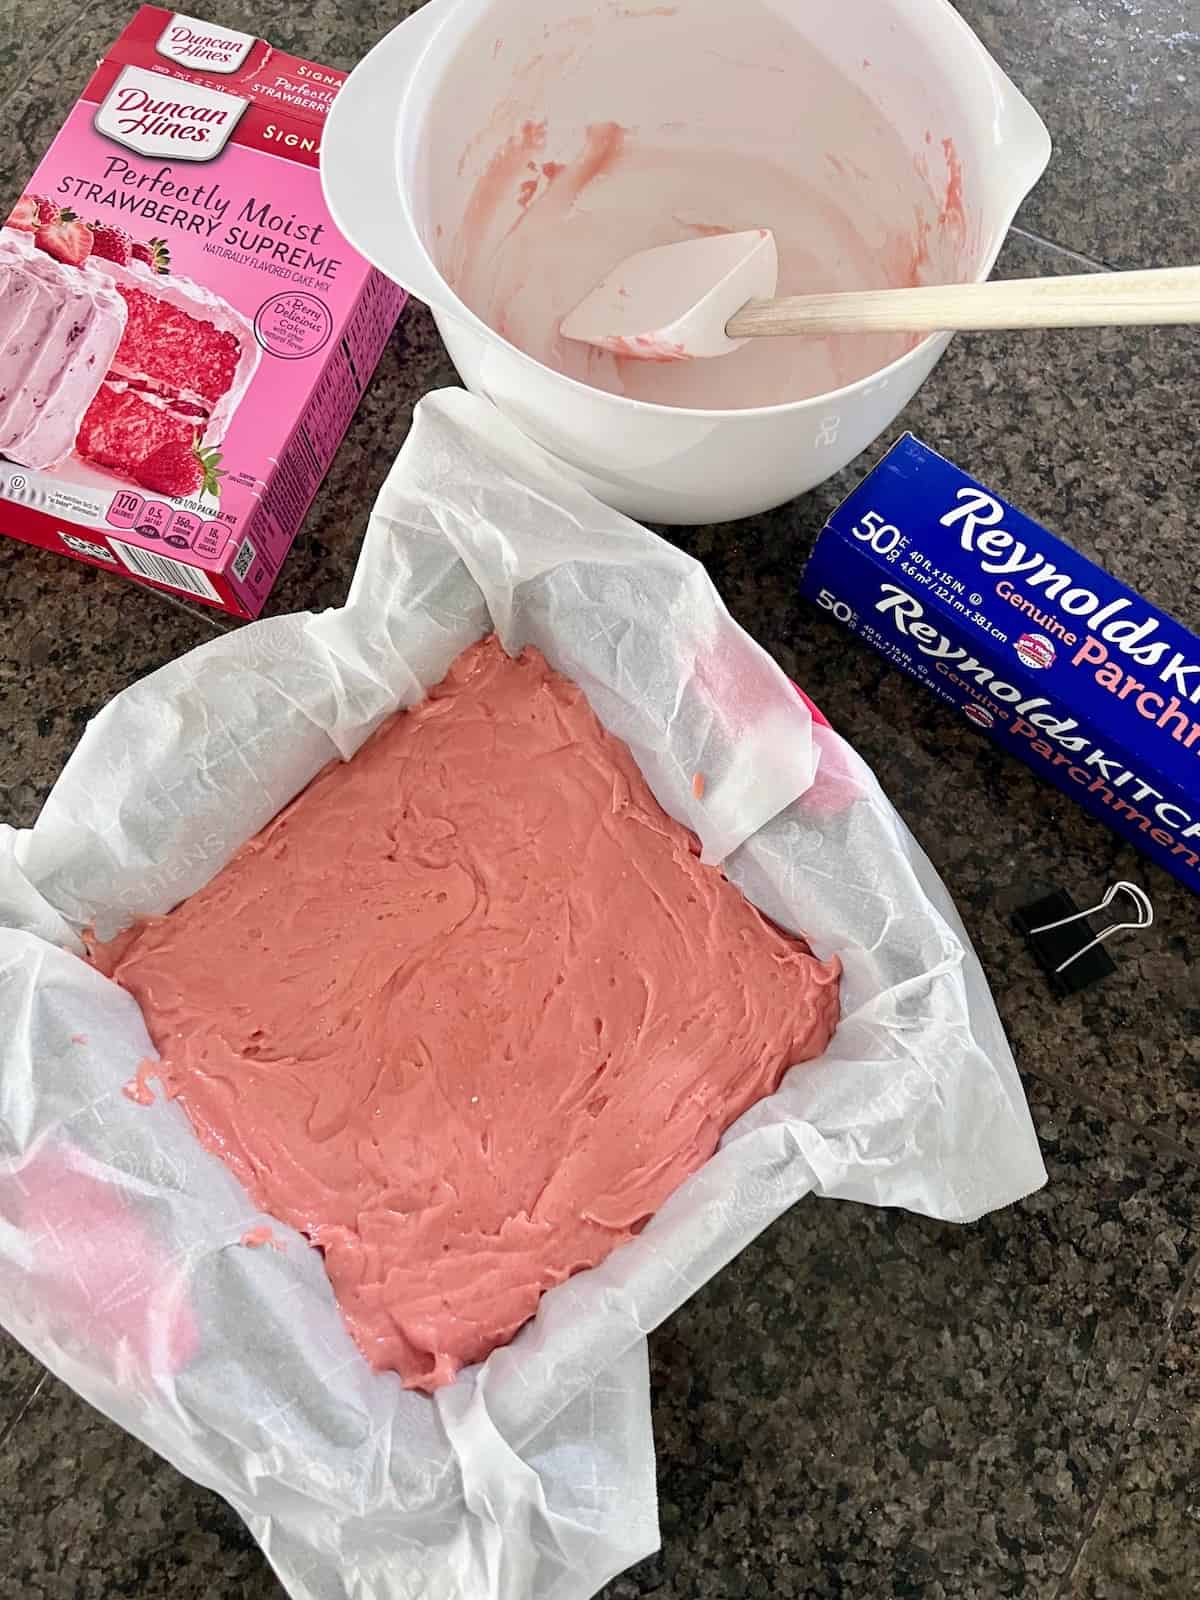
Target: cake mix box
[
  {"x": 1051, "y": 656},
  {"x": 184, "y": 334}
]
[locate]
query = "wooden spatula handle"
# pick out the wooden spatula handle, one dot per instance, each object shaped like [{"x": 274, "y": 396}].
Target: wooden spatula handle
[{"x": 1093, "y": 299}]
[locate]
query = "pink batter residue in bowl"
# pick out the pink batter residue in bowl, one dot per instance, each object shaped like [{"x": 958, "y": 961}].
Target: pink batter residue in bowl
[{"x": 551, "y": 203}]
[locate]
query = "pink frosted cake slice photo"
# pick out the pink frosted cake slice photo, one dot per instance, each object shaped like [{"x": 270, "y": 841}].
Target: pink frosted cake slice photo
[
  {"x": 184, "y": 362},
  {"x": 60, "y": 329},
  {"x": 112, "y": 361}
]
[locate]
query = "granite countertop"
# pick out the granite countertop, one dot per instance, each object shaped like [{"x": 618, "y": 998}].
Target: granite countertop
[{"x": 864, "y": 1404}]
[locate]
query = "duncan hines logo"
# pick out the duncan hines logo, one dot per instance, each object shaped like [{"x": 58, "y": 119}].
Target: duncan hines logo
[
  {"x": 205, "y": 45},
  {"x": 978, "y": 516},
  {"x": 160, "y": 116}
]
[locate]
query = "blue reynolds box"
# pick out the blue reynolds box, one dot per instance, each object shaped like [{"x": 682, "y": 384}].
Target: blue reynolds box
[{"x": 1092, "y": 686}]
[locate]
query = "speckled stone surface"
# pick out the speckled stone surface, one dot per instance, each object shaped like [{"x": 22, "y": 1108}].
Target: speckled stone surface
[
  {"x": 1144, "y": 1539},
  {"x": 1118, "y": 84},
  {"x": 20, "y": 1375},
  {"x": 870, "y": 1404},
  {"x": 70, "y": 637},
  {"x": 864, "y": 1406},
  {"x": 111, "y": 1519},
  {"x": 27, "y": 30}
]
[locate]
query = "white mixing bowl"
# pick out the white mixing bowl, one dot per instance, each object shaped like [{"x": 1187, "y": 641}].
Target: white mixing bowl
[{"x": 889, "y": 112}]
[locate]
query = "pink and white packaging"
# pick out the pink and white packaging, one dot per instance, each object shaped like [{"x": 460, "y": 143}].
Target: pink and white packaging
[
  {"x": 233, "y": 316},
  {"x": 531, "y": 1477}
]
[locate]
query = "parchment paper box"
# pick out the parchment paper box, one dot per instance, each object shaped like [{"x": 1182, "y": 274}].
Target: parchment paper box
[{"x": 1092, "y": 686}]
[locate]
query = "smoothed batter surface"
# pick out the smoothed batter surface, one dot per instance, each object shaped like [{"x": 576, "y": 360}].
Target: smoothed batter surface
[{"x": 469, "y": 1009}]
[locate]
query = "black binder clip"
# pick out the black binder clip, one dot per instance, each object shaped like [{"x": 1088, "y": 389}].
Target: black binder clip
[{"x": 1063, "y": 941}]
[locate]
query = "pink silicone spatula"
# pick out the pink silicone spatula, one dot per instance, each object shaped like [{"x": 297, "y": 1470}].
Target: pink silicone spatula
[{"x": 706, "y": 297}]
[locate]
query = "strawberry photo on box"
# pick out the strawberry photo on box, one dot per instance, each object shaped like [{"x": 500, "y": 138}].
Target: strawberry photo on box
[{"x": 109, "y": 354}]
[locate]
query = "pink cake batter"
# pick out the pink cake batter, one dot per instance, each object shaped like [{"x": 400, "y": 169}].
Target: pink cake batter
[
  {"x": 469, "y": 1010},
  {"x": 551, "y": 204}
]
